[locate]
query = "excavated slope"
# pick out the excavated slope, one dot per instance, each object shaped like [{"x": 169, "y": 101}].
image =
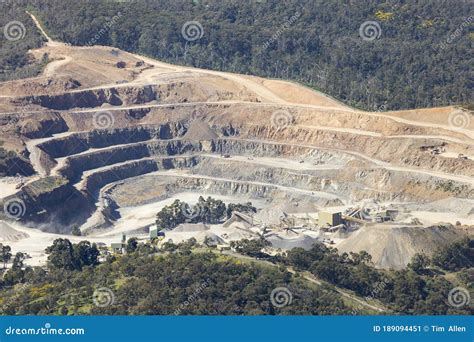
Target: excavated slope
[{"x": 100, "y": 119}]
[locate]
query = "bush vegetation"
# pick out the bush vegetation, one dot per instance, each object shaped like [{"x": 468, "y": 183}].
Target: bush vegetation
[
  {"x": 15, "y": 61},
  {"x": 207, "y": 210},
  {"x": 421, "y": 59},
  {"x": 187, "y": 279}
]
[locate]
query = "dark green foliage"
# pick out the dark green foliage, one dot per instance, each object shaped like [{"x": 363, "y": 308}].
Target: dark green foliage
[
  {"x": 61, "y": 255},
  {"x": 132, "y": 245},
  {"x": 197, "y": 284},
  {"x": 76, "y": 231},
  {"x": 246, "y": 208},
  {"x": 419, "y": 263},
  {"x": 170, "y": 216},
  {"x": 251, "y": 248},
  {"x": 403, "y": 291},
  {"x": 302, "y": 259},
  {"x": 455, "y": 256},
  {"x": 15, "y": 62},
  {"x": 86, "y": 254},
  {"x": 210, "y": 210},
  {"x": 18, "y": 261},
  {"x": 207, "y": 210},
  {"x": 411, "y": 64},
  {"x": 5, "y": 254},
  {"x": 144, "y": 283},
  {"x": 65, "y": 255},
  {"x": 18, "y": 271}
]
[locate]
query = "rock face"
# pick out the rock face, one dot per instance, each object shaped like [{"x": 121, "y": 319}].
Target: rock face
[
  {"x": 41, "y": 204},
  {"x": 12, "y": 166},
  {"x": 50, "y": 123},
  {"x": 94, "y": 98},
  {"x": 114, "y": 96},
  {"x": 111, "y": 121},
  {"x": 76, "y": 165},
  {"x": 81, "y": 99},
  {"x": 80, "y": 142},
  {"x": 89, "y": 161}
]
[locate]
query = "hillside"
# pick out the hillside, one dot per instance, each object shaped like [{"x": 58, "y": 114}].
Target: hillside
[
  {"x": 192, "y": 279},
  {"x": 100, "y": 124},
  {"x": 19, "y": 34},
  {"x": 259, "y": 182},
  {"x": 411, "y": 62}
]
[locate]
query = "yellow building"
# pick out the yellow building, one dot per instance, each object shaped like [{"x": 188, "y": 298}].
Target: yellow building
[{"x": 326, "y": 218}]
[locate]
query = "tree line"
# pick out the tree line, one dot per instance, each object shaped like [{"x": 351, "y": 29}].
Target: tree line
[
  {"x": 421, "y": 288},
  {"x": 152, "y": 280},
  {"x": 207, "y": 210},
  {"x": 15, "y": 60},
  {"x": 420, "y": 56}
]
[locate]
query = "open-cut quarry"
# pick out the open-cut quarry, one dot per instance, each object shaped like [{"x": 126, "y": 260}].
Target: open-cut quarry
[{"x": 104, "y": 139}]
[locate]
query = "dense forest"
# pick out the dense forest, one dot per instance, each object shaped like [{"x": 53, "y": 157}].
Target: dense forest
[
  {"x": 18, "y": 35},
  {"x": 189, "y": 278},
  {"x": 415, "y": 54},
  {"x": 421, "y": 288},
  {"x": 146, "y": 283}
]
